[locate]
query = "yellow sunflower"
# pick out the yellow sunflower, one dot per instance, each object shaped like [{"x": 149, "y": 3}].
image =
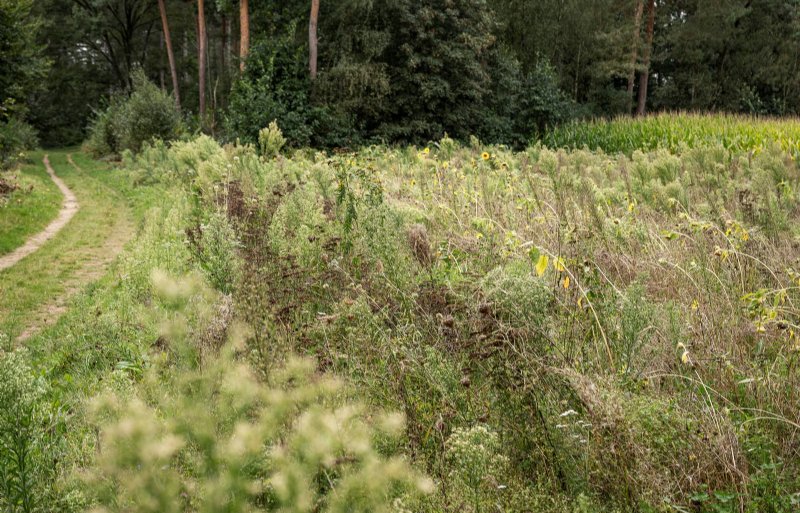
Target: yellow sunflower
[{"x": 485, "y": 155}]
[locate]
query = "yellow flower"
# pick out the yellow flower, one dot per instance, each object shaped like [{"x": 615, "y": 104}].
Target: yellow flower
[
  {"x": 485, "y": 155},
  {"x": 426, "y": 151},
  {"x": 541, "y": 265},
  {"x": 565, "y": 283},
  {"x": 445, "y": 165}
]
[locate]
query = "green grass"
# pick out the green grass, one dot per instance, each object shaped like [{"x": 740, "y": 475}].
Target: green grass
[
  {"x": 29, "y": 209},
  {"x": 675, "y": 132}
]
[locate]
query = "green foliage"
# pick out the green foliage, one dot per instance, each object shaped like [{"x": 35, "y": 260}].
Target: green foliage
[
  {"x": 26, "y": 439},
  {"x": 478, "y": 463},
  {"x": 223, "y": 439},
  {"x": 271, "y": 141},
  {"x": 22, "y": 65},
  {"x": 128, "y": 123},
  {"x": 16, "y": 138},
  {"x": 217, "y": 252},
  {"x": 563, "y": 330},
  {"x": 548, "y": 296},
  {"x": 397, "y": 71},
  {"x": 518, "y": 297},
  {"x": 274, "y": 86}
]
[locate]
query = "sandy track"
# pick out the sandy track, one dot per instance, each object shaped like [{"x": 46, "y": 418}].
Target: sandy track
[{"x": 68, "y": 210}]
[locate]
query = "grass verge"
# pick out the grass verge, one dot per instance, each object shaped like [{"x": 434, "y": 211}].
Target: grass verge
[{"x": 30, "y": 208}]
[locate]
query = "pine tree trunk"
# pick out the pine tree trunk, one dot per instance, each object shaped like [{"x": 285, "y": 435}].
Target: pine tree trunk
[
  {"x": 244, "y": 30},
  {"x": 201, "y": 57},
  {"x": 223, "y": 58},
  {"x": 637, "y": 28},
  {"x": 312, "y": 39},
  {"x": 644, "y": 77},
  {"x": 170, "y": 54}
]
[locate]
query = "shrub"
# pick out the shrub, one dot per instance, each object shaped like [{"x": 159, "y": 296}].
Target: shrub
[
  {"x": 16, "y": 137},
  {"x": 147, "y": 114},
  {"x": 274, "y": 86},
  {"x": 103, "y": 135},
  {"x": 518, "y": 298}
]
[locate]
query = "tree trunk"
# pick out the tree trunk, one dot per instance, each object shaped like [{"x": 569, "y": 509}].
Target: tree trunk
[
  {"x": 637, "y": 28},
  {"x": 162, "y": 82},
  {"x": 170, "y": 54},
  {"x": 644, "y": 77},
  {"x": 244, "y": 31},
  {"x": 312, "y": 39},
  {"x": 223, "y": 60},
  {"x": 201, "y": 58}
]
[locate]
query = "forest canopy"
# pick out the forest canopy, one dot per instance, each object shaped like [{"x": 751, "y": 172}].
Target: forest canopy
[{"x": 358, "y": 71}]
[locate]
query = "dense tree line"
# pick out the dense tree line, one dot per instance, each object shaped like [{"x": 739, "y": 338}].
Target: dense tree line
[{"x": 352, "y": 71}]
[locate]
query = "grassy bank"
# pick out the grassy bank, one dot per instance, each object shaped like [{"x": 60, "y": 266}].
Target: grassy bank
[
  {"x": 30, "y": 208},
  {"x": 146, "y": 368}
]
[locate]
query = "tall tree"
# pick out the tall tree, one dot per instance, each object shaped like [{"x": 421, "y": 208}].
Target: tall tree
[
  {"x": 244, "y": 32},
  {"x": 637, "y": 28},
  {"x": 644, "y": 76},
  {"x": 312, "y": 39},
  {"x": 201, "y": 56},
  {"x": 170, "y": 54},
  {"x": 119, "y": 31},
  {"x": 22, "y": 66}
]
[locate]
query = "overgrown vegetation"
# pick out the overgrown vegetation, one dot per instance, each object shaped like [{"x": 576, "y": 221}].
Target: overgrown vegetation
[
  {"x": 559, "y": 330},
  {"x": 557, "y": 327}
]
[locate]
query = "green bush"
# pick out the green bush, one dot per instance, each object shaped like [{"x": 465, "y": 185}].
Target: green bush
[
  {"x": 128, "y": 123},
  {"x": 217, "y": 252},
  {"x": 275, "y": 87},
  {"x": 16, "y": 137},
  {"x": 271, "y": 140}
]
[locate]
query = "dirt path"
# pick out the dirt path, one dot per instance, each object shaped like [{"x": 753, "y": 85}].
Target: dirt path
[
  {"x": 68, "y": 210},
  {"x": 94, "y": 264}
]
